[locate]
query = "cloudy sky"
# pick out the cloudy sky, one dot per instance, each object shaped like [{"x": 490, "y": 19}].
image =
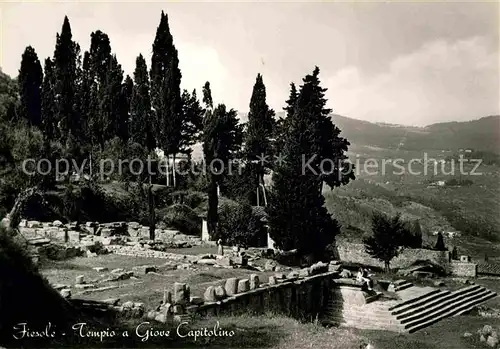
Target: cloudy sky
[{"x": 408, "y": 63}]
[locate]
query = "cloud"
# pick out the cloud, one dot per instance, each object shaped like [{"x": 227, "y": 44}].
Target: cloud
[{"x": 441, "y": 81}]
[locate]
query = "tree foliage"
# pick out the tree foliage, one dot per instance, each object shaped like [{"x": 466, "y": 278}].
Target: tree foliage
[
  {"x": 389, "y": 235},
  {"x": 30, "y": 84},
  {"x": 297, "y": 216}
]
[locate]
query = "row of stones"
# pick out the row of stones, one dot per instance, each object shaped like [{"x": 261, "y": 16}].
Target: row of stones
[{"x": 234, "y": 286}]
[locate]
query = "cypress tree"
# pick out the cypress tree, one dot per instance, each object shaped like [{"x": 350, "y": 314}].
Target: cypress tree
[
  {"x": 209, "y": 149},
  {"x": 192, "y": 120},
  {"x": 85, "y": 100},
  {"x": 259, "y": 132},
  {"x": 297, "y": 217},
  {"x": 48, "y": 104},
  {"x": 440, "y": 243},
  {"x": 112, "y": 100},
  {"x": 165, "y": 89},
  {"x": 30, "y": 82},
  {"x": 141, "y": 117},
  {"x": 281, "y": 127},
  {"x": 65, "y": 63},
  {"x": 100, "y": 64},
  {"x": 123, "y": 129},
  {"x": 222, "y": 138}
]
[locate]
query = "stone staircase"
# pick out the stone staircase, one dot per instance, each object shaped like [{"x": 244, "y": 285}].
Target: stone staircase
[{"x": 417, "y": 308}]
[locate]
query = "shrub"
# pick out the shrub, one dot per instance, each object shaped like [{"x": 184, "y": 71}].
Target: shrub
[
  {"x": 240, "y": 225},
  {"x": 180, "y": 217}
]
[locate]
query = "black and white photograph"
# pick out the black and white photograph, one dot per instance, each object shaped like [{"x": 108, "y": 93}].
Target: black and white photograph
[{"x": 250, "y": 174}]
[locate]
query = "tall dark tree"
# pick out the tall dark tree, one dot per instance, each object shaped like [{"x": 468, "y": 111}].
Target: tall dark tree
[
  {"x": 292, "y": 101},
  {"x": 165, "y": 89},
  {"x": 30, "y": 83},
  {"x": 222, "y": 138},
  {"x": 259, "y": 133},
  {"x": 112, "y": 100},
  {"x": 123, "y": 125},
  {"x": 65, "y": 64},
  {"x": 85, "y": 100},
  {"x": 100, "y": 63},
  {"x": 192, "y": 121},
  {"x": 207, "y": 96},
  {"x": 141, "y": 118},
  {"x": 48, "y": 112},
  {"x": 281, "y": 126},
  {"x": 440, "y": 243},
  {"x": 209, "y": 149},
  {"x": 297, "y": 217},
  {"x": 327, "y": 157}
]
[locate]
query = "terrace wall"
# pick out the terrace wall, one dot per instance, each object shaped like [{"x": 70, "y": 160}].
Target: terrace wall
[{"x": 305, "y": 299}]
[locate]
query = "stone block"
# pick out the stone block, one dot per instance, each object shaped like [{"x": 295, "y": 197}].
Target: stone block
[
  {"x": 100, "y": 269},
  {"x": 272, "y": 280},
  {"x": 225, "y": 261},
  {"x": 144, "y": 269},
  {"x": 80, "y": 279},
  {"x": 57, "y": 223},
  {"x": 128, "y": 304},
  {"x": 178, "y": 309},
  {"x": 231, "y": 286},
  {"x": 254, "y": 281},
  {"x": 492, "y": 341},
  {"x": 65, "y": 293},
  {"x": 279, "y": 276},
  {"x": 270, "y": 266},
  {"x": 106, "y": 232},
  {"x": 220, "y": 292},
  {"x": 73, "y": 236},
  {"x": 34, "y": 224},
  {"x": 180, "y": 296},
  {"x": 345, "y": 274},
  {"x": 334, "y": 267},
  {"x": 243, "y": 286},
  {"x": 319, "y": 268},
  {"x": 196, "y": 300},
  {"x": 167, "y": 296},
  {"x": 160, "y": 317},
  {"x": 240, "y": 260}
]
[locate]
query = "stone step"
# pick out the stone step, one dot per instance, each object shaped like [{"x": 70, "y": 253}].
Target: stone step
[
  {"x": 360, "y": 316},
  {"x": 469, "y": 308},
  {"x": 438, "y": 299},
  {"x": 372, "y": 306},
  {"x": 415, "y": 301},
  {"x": 418, "y": 301},
  {"x": 355, "y": 313},
  {"x": 452, "y": 298},
  {"x": 455, "y": 310},
  {"x": 403, "y": 286},
  {"x": 442, "y": 312}
]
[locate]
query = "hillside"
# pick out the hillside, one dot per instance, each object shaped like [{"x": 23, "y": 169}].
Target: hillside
[{"x": 480, "y": 134}]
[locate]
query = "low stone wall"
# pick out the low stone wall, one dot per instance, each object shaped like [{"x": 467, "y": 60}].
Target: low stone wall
[
  {"x": 305, "y": 298},
  {"x": 463, "y": 269},
  {"x": 355, "y": 253}
]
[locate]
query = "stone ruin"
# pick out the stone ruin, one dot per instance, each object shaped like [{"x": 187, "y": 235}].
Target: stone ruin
[{"x": 58, "y": 241}]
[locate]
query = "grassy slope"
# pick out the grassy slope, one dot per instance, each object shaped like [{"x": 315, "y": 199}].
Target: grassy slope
[{"x": 439, "y": 208}]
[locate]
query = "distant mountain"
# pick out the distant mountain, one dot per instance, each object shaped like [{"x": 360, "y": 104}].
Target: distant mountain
[{"x": 482, "y": 134}]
